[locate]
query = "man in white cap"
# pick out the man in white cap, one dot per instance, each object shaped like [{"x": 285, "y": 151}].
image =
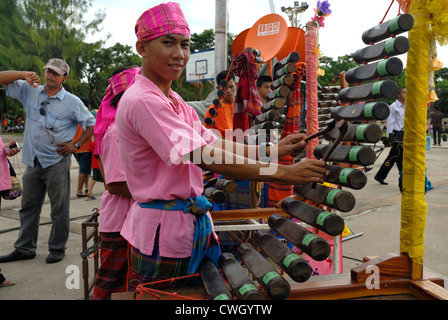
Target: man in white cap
[{"x": 53, "y": 115}]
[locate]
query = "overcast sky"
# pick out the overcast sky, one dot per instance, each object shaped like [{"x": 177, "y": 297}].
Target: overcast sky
[{"x": 341, "y": 34}]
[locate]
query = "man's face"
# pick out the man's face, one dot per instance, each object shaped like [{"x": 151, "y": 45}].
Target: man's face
[
  {"x": 401, "y": 96},
  {"x": 166, "y": 57},
  {"x": 229, "y": 92},
  {"x": 54, "y": 79},
  {"x": 264, "y": 89}
]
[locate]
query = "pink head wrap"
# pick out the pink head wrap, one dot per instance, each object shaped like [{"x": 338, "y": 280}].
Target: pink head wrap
[
  {"x": 121, "y": 81},
  {"x": 166, "y": 18},
  {"x": 106, "y": 113}
]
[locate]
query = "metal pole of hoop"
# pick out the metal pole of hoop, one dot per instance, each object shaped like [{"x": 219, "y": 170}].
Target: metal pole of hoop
[{"x": 199, "y": 79}]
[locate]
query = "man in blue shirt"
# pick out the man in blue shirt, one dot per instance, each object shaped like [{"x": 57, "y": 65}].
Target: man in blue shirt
[{"x": 53, "y": 115}]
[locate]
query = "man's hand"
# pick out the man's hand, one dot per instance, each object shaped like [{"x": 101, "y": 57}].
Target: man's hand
[
  {"x": 32, "y": 78},
  {"x": 306, "y": 171},
  {"x": 292, "y": 144},
  {"x": 66, "y": 148}
]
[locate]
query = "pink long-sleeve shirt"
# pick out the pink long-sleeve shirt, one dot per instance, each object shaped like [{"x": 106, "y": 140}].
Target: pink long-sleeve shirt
[
  {"x": 153, "y": 136},
  {"x": 114, "y": 208}
]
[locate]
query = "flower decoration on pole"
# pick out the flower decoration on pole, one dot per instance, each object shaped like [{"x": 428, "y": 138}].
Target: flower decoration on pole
[{"x": 321, "y": 12}]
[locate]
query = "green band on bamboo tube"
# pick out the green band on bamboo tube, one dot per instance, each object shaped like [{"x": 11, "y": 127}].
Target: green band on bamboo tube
[
  {"x": 344, "y": 175},
  {"x": 376, "y": 88},
  {"x": 269, "y": 276},
  {"x": 389, "y": 46},
  {"x": 290, "y": 258},
  {"x": 353, "y": 154},
  {"x": 322, "y": 216},
  {"x": 307, "y": 239},
  {"x": 360, "y": 132},
  {"x": 394, "y": 25},
  {"x": 368, "y": 109},
  {"x": 331, "y": 195},
  {"x": 247, "y": 287},
  {"x": 282, "y": 80},
  {"x": 381, "y": 68}
]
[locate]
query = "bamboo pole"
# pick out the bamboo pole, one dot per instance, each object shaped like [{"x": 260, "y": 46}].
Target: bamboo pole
[{"x": 413, "y": 205}]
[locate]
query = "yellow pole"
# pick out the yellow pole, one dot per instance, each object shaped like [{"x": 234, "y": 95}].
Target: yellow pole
[{"x": 413, "y": 205}]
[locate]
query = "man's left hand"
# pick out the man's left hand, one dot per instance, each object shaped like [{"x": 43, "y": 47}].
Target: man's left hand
[{"x": 66, "y": 148}]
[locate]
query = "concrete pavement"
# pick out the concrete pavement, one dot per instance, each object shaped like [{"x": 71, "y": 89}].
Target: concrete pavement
[{"x": 376, "y": 216}]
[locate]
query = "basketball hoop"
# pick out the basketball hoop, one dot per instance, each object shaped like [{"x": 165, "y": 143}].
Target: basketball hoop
[
  {"x": 199, "y": 78},
  {"x": 201, "y": 66}
]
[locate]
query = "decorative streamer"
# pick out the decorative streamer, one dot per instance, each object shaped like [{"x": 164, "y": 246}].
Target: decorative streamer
[
  {"x": 413, "y": 205},
  {"x": 434, "y": 65},
  {"x": 311, "y": 60}
]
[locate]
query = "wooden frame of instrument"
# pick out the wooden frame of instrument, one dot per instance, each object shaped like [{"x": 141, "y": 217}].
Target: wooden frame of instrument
[
  {"x": 89, "y": 232},
  {"x": 397, "y": 275}
]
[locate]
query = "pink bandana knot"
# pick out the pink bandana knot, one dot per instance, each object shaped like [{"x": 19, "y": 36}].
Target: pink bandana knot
[
  {"x": 121, "y": 81},
  {"x": 106, "y": 113}
]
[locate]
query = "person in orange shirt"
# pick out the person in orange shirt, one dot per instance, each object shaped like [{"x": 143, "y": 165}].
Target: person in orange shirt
[
  {"x": 84, "y": 158},
  {"x": 96, "y": 173},
  {"x": 224, "y": 119}
]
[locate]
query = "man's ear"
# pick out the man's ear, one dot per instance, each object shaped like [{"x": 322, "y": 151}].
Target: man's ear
[
  {"x": 65, "y": 79},
  {"x": 140, "y": 47}
]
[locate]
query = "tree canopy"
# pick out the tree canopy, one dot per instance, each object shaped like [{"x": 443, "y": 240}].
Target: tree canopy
[{"x": 33, "y": 31}]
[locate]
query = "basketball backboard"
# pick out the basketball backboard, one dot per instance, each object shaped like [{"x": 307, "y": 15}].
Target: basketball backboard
[{"x": 201, "y": 66}]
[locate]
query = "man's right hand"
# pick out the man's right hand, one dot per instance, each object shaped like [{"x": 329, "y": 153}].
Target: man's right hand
[
  {"x": 306, "y": 171},
  {"x": 32, "y": 78}
]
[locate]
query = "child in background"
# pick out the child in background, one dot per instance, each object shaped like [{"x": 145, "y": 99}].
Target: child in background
[{"x": 84, "y": 158}]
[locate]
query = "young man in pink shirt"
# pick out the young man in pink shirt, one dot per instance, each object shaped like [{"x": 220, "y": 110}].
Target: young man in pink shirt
[{"x": 164, "y": 149}]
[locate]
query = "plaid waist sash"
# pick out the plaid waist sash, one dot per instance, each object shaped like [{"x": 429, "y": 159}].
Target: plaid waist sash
[{"x": 204, "y": 244}]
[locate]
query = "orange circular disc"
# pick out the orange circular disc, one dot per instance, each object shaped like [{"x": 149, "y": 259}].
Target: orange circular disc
[
  {"x": 267, "y": 35},
  {"x": 294, "y": 42},
  {"x": 238, "y": 43}
]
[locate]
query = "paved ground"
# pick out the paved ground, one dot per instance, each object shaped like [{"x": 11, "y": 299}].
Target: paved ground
[{"x": 376, "y": 216}]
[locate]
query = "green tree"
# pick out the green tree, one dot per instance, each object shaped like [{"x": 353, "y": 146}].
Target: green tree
[
  {"x": 441, "y": 82},
  {"x": 202, "y": 41},
  {"x": 333, "y": 68},
  {"x": 58, "y": 29},
  {"x": 33, "y": 31},
  {"x": 98, "y": 66},
  {"x": 16, "y": 49}
]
